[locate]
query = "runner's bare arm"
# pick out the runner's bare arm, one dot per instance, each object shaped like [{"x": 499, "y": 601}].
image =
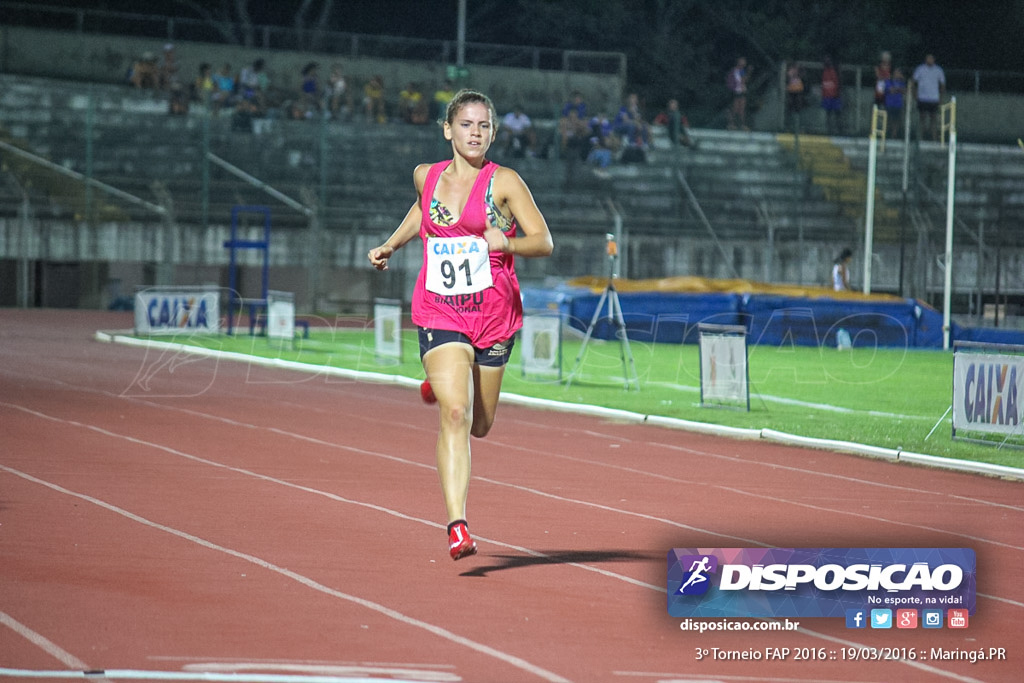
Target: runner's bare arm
[
  {"x": 407, "y": 230},
  {"x": 536, "y": 238}
]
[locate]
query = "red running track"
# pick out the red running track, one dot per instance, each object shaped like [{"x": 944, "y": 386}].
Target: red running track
[{"x": 189, "y": 515}]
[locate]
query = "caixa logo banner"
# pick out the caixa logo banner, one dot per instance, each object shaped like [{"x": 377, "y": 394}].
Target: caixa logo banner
[{"x": 816, "y": 582}]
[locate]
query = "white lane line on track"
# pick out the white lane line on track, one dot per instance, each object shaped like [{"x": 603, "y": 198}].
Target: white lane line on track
[
  {"x": 613, "y": 575},
  {"x": 405, "y": 461},
  {"x": 148, "y": 675},
  {"x": 578, "y": 409},
  {"x": 683, "y": 449},
  {"x": 667, "y": 677},
  {"x": 42, "y": 642},
  {"x": 799, "y": 470},
  {"x": 439, "y": 631},
  {"x": 575, "y": 501},
  {"x": 824, "y": 407},
  {"x": 495, "y": 482},
  {"x": 587, "y": 432},
  {"x": 433, "y": 674}
]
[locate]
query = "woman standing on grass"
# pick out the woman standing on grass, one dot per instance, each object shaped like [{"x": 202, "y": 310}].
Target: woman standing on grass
[{"x": 472, "y": 217}]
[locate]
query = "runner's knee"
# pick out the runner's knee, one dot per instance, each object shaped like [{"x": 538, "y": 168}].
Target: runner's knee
[{"x": 456, "y": 415}]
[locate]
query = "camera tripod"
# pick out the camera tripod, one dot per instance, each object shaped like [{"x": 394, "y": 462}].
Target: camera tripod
[{"x": 614, "y": 315}]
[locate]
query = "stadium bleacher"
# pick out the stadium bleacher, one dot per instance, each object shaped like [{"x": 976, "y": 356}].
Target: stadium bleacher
[{"x": 778, "y": 212}]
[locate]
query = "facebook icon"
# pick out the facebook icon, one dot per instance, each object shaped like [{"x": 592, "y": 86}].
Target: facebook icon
[{"x": 856, "y": 618}]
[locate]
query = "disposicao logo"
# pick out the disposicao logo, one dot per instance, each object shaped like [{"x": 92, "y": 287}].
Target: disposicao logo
[
  {"x": 818, "y": 582},
  {"x": 696, "y": 580}
]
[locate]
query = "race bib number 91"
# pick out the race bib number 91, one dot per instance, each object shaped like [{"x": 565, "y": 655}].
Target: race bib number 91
[{"x": 458, "y": 265}]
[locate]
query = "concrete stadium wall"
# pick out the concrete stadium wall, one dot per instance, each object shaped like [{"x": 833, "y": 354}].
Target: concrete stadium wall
[{"x": 81, "y": 266}]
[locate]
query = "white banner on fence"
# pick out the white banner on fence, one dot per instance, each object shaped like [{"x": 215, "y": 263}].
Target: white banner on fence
[
  {"x": 541, "y": 345},
  {"x": 387, "y": 331},
  {"x": 987, "y": 388},
  {"x": 723, "y": 364},
  {"x": 280, "y": 316},
  {"x": 177, "y": 310}
]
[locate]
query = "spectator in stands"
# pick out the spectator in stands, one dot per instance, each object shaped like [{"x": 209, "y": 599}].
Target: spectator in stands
[
  {"x": 573, "y": 128},
  {"x": 339, "y": 97},
  {"x": 144, "y": 73},
  {"x": 223, "y": 96},
  {"x": 841, "y": 271},
  {"x": 632, "y": 130},
  {"x": 929, "y": 82},
  {"x": 676, "y": 124},
  {"x": 253, "y": 84},
  {"x": 412, "y": 105},
  {"x": 310, "y": 95},
  {"x": 736, "y": 82},
  {"x": 517, "y": 134},
  {"x": 794, "y": 93},
  {"x": 442, "y": 96},
  {"x": 178, "y": 100},
  {"x": 203, "y": 86},
  {"x": 177, "y": 95},
  {"x": 895, "y": 89},
  {"x": 576, "y": 103},
  {"x": 603, "y": 143},
  {"x": 629, "y": 123},
  {"x": 831, "y": 100},
  {"x": 373, "y": 100},
  {"x": 168, "y": 69},
  {"x": 573, "y": 137},
  {"x": 883, "y": 71}
]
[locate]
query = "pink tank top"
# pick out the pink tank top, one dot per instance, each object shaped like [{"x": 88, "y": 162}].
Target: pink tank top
[{"x": 487, "y": 316}]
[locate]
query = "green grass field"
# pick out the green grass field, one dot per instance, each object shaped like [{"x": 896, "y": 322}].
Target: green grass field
[{"x": 881, "y": 397}]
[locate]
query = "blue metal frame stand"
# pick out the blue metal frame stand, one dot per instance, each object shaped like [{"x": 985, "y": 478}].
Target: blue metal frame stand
[{"x": 235, "y": 300}]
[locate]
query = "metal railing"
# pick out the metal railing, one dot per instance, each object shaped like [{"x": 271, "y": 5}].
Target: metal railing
[
  {"x": 281, "y": 38},
  {"x": 856, "y": 79}
]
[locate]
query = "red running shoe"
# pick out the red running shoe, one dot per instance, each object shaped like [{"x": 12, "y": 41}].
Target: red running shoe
[
  {"x": 427, "y": 393},
  {"x": 460, "y": 543}
]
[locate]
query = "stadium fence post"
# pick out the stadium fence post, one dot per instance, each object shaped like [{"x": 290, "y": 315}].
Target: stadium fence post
[{"x": 949, "y": 124}]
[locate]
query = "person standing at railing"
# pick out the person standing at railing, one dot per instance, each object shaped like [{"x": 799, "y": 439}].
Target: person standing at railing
[
  {"x": 883, "y": 71},
  {"x": 895, "y": 89},
  {"x": 794, "y": 94},
  {"x": 473, "y": 217},
  {"x": 929, "y": 83},
  {"x": 831, "y": 100},
  {"x": 736, "y": 82}
]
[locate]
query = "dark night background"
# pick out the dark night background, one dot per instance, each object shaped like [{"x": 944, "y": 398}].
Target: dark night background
[
  {"x": 972, "y": 35},
  {"x": 675, "y": 48}
]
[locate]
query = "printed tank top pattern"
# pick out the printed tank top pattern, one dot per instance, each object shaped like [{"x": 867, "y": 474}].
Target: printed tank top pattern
[{"x": 440, "y": 214}]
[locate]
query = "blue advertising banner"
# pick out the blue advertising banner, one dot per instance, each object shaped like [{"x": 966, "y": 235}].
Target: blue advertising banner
[{"x": 817, "y": 582}]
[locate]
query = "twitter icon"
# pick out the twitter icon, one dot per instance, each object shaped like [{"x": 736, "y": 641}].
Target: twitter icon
[{"x": 881, "y": 618}]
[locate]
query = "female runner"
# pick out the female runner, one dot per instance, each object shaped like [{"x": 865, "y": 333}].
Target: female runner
[{"x": 472, "y": 216}]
